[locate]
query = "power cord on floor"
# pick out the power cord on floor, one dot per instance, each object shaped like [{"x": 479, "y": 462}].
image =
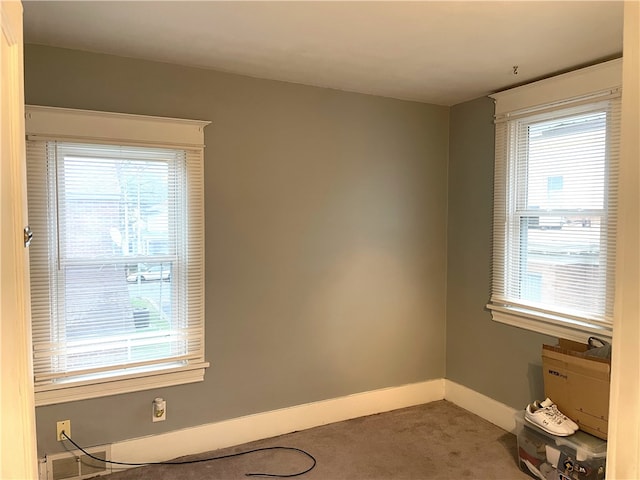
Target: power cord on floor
[{"x": 210, "y": 459}]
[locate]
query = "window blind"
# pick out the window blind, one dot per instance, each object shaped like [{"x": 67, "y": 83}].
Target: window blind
[
  {"x": 117, "y": 270},
  {"x": 555, "y": 215},
  {"x": 109, "y": 215}
]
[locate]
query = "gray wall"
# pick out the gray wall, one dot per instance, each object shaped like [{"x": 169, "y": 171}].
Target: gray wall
[
  {"x": 500, "y": 361},
  {"x": 325, "y": 239}
]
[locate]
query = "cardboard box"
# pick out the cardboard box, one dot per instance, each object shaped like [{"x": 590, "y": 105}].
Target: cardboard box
[{"x": 578, "y": 384}]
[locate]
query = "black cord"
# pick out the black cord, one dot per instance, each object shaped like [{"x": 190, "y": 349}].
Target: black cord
[{"x": 210, "y": 459}]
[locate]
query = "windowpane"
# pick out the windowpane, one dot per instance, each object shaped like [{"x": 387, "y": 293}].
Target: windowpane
[
  {"x": 561, "y": 262},
  {"x": 114, "y": 202},
  {"x": 117, "y": 262},
  {"x": 555, "y": 201},
  {"x": 114, "y": 297},
  {"x": 565, "y": 162},
  {"x": 566, "y": 261},
  {"x": 556, "y": 173},
  {"x": 110, "y": 321}
]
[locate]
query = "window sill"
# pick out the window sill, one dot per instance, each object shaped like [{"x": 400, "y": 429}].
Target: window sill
[
  {"x": 60, "y": 393},
  {"x": 548, "y": 325}
]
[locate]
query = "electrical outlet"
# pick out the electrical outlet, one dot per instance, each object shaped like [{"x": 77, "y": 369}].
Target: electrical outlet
[{"x": 64, "y": 425}]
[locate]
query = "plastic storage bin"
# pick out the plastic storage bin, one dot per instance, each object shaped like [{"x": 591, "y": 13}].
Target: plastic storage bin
[{"x": 577, "y": 457}]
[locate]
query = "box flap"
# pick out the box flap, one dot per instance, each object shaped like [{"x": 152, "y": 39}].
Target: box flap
[{"x": 573, "y": 352}]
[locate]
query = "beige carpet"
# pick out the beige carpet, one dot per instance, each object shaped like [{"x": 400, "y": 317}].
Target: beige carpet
[{"x": 438, "y": 440}]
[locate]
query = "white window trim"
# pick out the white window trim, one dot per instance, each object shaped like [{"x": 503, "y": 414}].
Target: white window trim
[
  {"x": 53, "y": 394},
  {"x": 603, "y": 79},
  {"x": 547, "y": 324},
  {"x": 108, "y": 127},
  {"x": 575, "y": 84},
  {"x": 52, "y": 123}
]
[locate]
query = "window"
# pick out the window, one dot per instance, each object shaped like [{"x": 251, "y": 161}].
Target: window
[
  {"x": 117, "y": 277},
  {"x": 555, "y": 203}
]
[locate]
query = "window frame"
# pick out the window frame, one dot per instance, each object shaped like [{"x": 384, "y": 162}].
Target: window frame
[
  {"x": 92, "y": 127},
  {"x": 598, "y": 83}
]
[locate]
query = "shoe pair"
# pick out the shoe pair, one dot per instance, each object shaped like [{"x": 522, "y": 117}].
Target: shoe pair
[{"x": 546, "y": 416}]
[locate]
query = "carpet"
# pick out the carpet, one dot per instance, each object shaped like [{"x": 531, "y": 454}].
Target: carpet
[{"x": 438, "y": 440}]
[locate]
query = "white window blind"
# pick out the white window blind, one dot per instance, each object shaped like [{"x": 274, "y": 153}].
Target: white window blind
[
  {"x": 555, "y": 215},
  {"x": 117, "y": 272}
]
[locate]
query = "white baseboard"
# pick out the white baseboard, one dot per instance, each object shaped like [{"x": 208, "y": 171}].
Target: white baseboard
[
  {"x": 486, "y": 407},
  {"x": 277, "y": 422}
]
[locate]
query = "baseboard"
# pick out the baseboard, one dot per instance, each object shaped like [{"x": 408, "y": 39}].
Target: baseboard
[
  {"x": 486, "y": 407},
  {"x": 269, "y": 424}
]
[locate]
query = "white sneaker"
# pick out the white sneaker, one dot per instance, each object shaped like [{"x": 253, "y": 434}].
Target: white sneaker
[
  {"x": 546, "y": 419},
  {"x": 549, "y": 403}
]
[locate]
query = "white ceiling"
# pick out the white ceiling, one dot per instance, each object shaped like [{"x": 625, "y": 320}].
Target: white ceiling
[{"x": 435, "y": 52}]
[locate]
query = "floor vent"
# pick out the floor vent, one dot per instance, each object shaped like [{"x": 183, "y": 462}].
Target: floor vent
[{"x": 75, "y": 465}]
